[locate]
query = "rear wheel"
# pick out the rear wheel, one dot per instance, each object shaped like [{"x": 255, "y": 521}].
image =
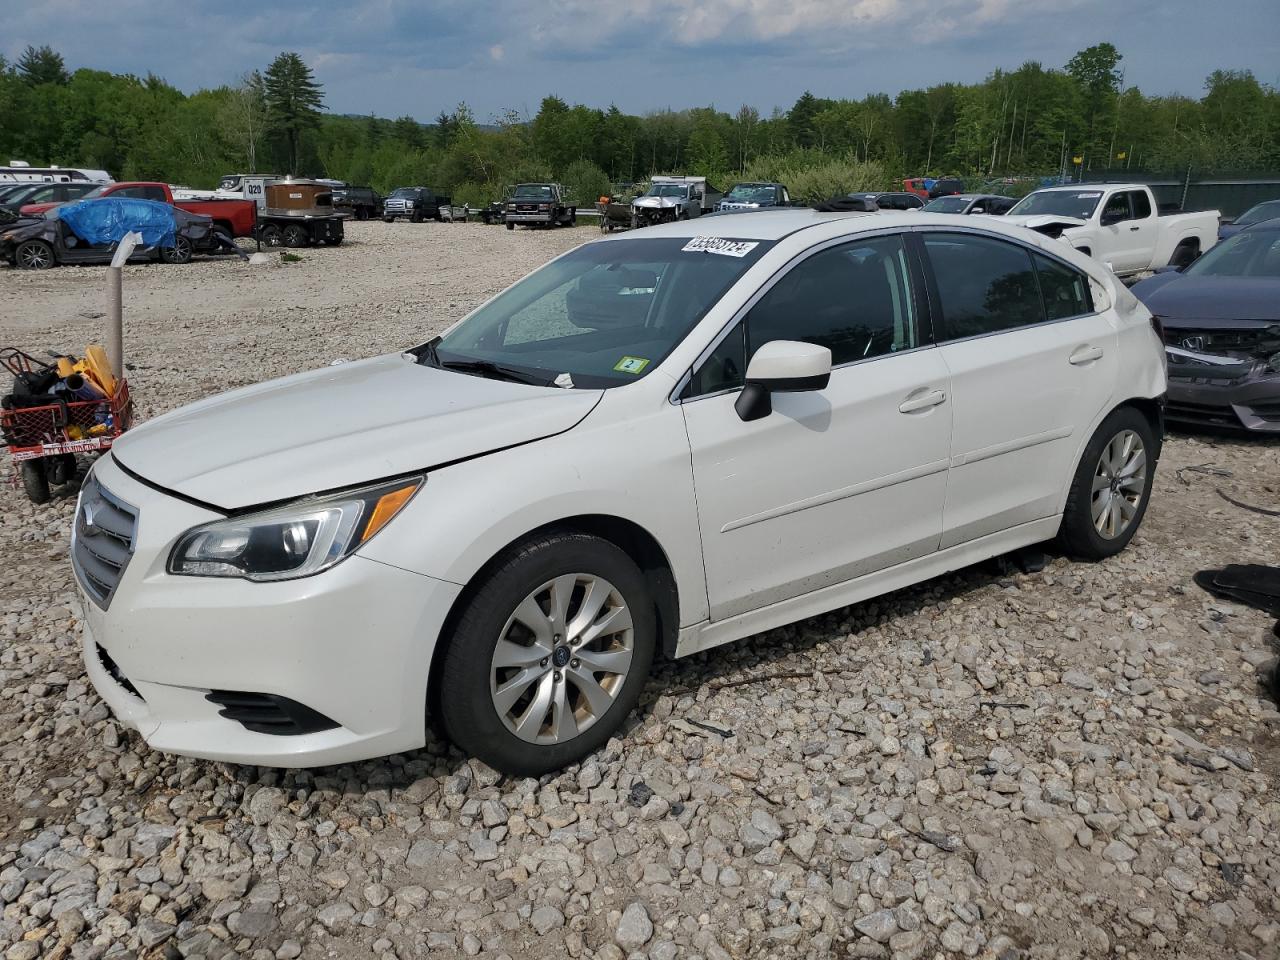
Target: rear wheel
[
  {"x": 415, "y": 217},
  {"x": 35, "y": 255},
  {"x": 35, "y": 481},
  {"x": 1185, "y": 253},
  {"x": 179, "y": 253},
  {"x": 295, "y": 235},
  {"x": 362, "y": 213},
  {"x": 1111, "y": 488},
  {"x": 271, "y": 236},
  {"x": 549, "y": 656}
]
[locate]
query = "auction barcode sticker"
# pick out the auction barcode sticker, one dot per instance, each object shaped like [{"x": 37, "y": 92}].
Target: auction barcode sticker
[{"x": 726, "y": 248}]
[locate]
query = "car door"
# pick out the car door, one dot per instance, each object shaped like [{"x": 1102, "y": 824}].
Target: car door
[
  {"x": 1032, "y": 365},
  {"x": 836, "y": 483},
  {"x": 1143, "y": 228},
  {"x": 1119, "y": 242}
]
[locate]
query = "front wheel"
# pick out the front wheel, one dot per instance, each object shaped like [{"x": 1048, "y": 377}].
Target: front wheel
[
  {"x": 388, "y": 219},
  {"x": 549, "y": 656},
  {"x": 1111, "y": 488},
  {"x": 34, "y": 255},
  {"x": 511, "y": 226},
  {"x": 271, "y": 236}
]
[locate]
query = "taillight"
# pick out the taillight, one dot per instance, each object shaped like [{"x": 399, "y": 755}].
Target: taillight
[{"x": 1158, "y": 327}]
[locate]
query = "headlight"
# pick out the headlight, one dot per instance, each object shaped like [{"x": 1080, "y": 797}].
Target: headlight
[{"x": 292, "y": 541}]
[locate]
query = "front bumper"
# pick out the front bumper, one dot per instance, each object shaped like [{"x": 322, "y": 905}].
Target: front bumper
[
  {"x": 1249, "y": 403},
  {"x": 353, "y": 643},
  {"x": 541, "y": 216}
]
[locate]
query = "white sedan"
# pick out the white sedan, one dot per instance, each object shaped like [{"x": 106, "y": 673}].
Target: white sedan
[{"x": 653, "y": 445}]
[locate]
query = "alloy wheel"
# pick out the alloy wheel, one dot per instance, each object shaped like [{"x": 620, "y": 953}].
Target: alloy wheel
[
  {"x": 34, "y": 256},
  {"x": 1119, "y": 484},
  {"x": 562, "y": 658}
]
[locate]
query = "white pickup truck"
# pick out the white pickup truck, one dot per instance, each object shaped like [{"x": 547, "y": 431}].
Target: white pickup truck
[{"x": 1117, "y": 223}]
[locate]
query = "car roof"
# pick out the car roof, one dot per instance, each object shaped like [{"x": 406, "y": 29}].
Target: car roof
[
  {"x": 1263, "y": 226},
  {"x": 775, "y": 224},
  {"x": 1094, "y": 186}
]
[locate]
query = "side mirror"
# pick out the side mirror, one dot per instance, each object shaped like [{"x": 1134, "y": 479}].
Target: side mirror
[
  {"x": 977, "y": 210},
  {"x": 782, "y": 366}
]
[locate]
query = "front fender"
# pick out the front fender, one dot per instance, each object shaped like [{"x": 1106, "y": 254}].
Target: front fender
[{"x": 469, "y": 512}]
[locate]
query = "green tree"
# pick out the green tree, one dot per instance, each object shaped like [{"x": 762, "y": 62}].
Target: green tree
[
  {"x": 1096, "y": 73},
  {"x": 800, "y": 120},
  {"x": 39, "y": 65},
  {"x": 293, "y": 99}
]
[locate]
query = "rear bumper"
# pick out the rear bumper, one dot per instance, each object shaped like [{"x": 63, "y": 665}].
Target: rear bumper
[{"x": 1251, "y": 404}]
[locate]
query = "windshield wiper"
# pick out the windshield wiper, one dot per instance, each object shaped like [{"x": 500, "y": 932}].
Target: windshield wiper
[
  {"x": 487, "y": 368},
  {"x": 494, "y": 371}
]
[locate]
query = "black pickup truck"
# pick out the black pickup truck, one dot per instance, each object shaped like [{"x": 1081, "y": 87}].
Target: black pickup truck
[
  {"x": 540, "y": 205},
  {"x": 361, "y": 202},
  {"x": 416, "y": 203}
]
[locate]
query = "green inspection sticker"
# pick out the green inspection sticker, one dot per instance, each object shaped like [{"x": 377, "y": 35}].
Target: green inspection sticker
[{"x": 631, "y": 365}]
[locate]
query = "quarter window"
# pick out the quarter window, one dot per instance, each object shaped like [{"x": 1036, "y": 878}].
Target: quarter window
[
  {"x": 1065, "y": 291},
  {"x": 985, "y": 285},
  {"x": 1141, "y": 205}
]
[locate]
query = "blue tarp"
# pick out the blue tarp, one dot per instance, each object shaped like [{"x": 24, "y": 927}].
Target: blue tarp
[{"x": 107, "y": 219}]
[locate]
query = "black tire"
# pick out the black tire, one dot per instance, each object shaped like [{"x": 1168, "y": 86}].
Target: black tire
[
  {"x": 179, "y": 253},
  {"x": 388, "y": 219},
  {"x": 1184, "y": 254},
  {"x": 511, "y": 226},
  {"x": 466, "y": 706},
  {"x": 362, "y": 213},
  {"x": 1078, "y": 536},
  {"x": 271, "y": 236},
  {"x": 35, "y": 481},
  {"x": 62, "y": 469},
  {"x": 295, "y": 235},
  {"x": 415, "y": 217},
  {"x": 34, "y": 255}
]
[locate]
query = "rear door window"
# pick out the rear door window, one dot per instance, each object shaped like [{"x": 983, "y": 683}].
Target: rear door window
[
  {"x": 1141, "y": 205},
  {"x": 983, "y": 285}
]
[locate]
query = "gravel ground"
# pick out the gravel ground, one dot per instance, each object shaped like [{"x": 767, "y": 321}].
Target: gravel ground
[{"x": 1077, "y": 762}]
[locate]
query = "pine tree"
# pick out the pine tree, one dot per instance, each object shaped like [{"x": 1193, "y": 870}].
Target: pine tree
[
  {"x": 39, "y": 65},
  {"x": 294, "y": 100}
]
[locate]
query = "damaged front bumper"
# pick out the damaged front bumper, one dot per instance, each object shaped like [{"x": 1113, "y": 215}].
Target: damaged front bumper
[{"x": 1218, "y": 390}]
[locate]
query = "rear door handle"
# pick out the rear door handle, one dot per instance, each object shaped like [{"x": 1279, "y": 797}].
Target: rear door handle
[
  {"x": 1086, "y": 354},
  {"x": 923, "y": 402}
]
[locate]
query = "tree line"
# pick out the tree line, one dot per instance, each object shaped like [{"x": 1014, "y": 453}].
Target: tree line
[{"x": 1033, "y": 120}]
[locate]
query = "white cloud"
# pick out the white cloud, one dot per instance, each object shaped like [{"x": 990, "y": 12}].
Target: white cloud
[{"x": 496, "y": 52}]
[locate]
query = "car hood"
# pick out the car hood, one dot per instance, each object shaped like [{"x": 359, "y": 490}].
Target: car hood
[
  {"x": 340, "y": 426},
  {"x": 658, "y": 201},
  {"x": 1044, "y": 222},
  {"x": 1177, "y": 297}
]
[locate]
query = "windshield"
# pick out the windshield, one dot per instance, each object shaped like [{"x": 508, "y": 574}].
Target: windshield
[
  {"x": 97, "y": 192},
  {"x": 533, "y": 191},
  {"x": 947, "y": 205},
  {"x": 404, "y": 192},
  {"x": 604, "y": 314},
  {"x": 1079, "y": 204},
  {"x": 1263, "y": 211},
  {"x": 229, "y": 183},
  {"x": 667, "y": 190},
  {"x": 1248, "y": 254},
  {"x": 750, "y": 193}
]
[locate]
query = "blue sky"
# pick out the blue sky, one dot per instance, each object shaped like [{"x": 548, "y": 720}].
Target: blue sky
[{"x": 396, "y": 57}]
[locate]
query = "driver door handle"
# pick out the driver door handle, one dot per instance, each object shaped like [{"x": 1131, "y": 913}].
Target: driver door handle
[
  {"x": 1135, "y": 229},
  {"x": 923, "y": 402},
  {"x": 1086, "y": 354}
]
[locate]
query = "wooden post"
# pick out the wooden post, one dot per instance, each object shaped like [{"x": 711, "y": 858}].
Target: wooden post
[{"x": 115, "y": 321}]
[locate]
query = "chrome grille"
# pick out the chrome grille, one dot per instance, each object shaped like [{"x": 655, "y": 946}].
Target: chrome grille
[{"x": 101, "y": 541}]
